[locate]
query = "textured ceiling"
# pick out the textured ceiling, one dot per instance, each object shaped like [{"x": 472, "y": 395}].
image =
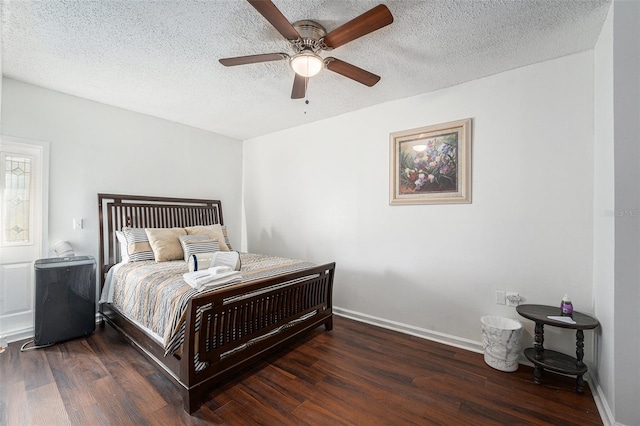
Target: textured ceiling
[{"x": 161, "y": 57}]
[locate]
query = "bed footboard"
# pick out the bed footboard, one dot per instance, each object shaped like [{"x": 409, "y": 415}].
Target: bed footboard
[{"x": 228, "y": 329}]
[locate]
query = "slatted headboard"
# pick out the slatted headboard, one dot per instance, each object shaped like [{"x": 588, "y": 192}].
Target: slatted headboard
[{"x": 138, "y": 211}]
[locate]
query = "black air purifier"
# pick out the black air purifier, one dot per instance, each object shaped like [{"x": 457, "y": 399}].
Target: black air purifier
[{"x": 65, "y": 305}]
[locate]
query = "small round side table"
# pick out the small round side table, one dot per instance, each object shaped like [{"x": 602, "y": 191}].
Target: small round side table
[{"x": 545, "y": 359}]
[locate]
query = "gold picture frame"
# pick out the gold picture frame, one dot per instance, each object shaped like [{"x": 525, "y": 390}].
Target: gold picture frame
[{"x": 431, "y": 165}]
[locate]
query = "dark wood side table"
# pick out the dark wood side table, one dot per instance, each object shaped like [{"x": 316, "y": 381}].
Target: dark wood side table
[{"x": 545, "y": 359}]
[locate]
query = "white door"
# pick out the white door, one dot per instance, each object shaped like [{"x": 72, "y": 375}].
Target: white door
[{"x": 23, "y": 198}]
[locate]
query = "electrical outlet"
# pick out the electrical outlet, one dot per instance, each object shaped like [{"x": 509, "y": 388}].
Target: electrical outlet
[
  {"x": 501, "y": 298},
  {"x": 513, "y": 298}
]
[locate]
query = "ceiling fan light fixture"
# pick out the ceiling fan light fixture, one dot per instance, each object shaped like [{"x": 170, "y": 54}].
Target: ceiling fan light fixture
[{"x": 306, "y": 63}]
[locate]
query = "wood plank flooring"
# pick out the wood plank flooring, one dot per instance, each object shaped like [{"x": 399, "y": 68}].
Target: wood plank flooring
[{"x": 356, "y": 374}]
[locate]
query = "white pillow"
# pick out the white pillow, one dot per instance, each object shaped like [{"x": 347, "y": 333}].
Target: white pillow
[{"x": 122, "y": 242}]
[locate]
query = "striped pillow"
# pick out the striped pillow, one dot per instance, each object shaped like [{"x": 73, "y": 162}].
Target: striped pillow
[
  {"x": 195, "y": 244},
  {"x": 138, "y": 246}
]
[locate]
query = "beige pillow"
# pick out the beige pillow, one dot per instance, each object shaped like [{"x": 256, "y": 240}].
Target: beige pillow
[
  {"x": 211, "y": 231},
  {"x": 165, "y": 243}
]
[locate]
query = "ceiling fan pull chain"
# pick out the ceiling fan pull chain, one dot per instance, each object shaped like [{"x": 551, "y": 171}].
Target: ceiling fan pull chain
[{"x": 306, "y": 92}]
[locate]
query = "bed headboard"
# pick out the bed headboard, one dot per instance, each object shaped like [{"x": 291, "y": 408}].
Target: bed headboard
[{"x": 138, "y": 211}]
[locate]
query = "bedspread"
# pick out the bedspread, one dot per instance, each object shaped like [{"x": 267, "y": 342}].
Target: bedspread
[{"x": 156, "y": 295}]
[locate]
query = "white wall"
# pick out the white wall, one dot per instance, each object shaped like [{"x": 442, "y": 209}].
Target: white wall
[
  {"x": 320, "y": 192},
  {"x": 1, "y": 20},
  {"x": 97, "y": 148},
  {"x": 604, "y": 211},
  {"x": 626, "y": 104}
]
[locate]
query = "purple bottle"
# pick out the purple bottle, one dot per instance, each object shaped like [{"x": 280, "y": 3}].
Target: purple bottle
[{"x": 566, "y": 307}]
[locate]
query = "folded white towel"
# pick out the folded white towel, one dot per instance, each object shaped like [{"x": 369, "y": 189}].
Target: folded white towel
[
  {"x": 218, "y": 269},
  {"x": 212, "y": 277}
]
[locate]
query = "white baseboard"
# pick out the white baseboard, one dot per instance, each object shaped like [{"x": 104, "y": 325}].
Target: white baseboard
[
  {"x": 21, "y": 334},
  {"x": 601, "y": 403},
  {"x": 447, "y": 339}
]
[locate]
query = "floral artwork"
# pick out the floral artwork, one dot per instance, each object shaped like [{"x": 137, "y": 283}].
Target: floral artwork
[{"x": 431, "y": 165}]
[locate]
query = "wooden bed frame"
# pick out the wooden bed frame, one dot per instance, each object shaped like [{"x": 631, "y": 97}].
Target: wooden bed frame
[{"x": 232, "y": 323}]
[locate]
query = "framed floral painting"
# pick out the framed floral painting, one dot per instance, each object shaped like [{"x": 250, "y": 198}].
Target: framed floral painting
[{"x": 431, "y": 165}]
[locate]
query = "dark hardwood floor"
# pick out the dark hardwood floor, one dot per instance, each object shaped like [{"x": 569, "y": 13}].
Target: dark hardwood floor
[{"x": 355, "y": 374}]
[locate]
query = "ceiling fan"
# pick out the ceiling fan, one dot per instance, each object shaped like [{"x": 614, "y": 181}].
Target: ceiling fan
[{"x": 308, "y": 38}]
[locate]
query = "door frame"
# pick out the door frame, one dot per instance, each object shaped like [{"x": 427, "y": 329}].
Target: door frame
[{"x": 43, "y": 146}]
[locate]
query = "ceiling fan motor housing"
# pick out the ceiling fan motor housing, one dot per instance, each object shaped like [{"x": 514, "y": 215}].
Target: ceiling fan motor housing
[{"x": 311, "y": 34}]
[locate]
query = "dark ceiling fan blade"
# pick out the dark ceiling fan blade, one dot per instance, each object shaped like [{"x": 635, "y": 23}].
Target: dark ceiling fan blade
[
  {"x": 272, "y": 14},
  {"x": 351, "y": 71},
  {"x": 253, "y": 59},
  {"x": 299, "y": 87},
  {"x": 374, "y": 19}
]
